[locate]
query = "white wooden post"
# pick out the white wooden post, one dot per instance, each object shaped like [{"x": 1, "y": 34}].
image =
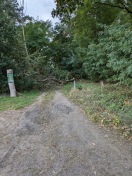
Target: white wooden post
[
  {"x": 102, "y": 86},
  {"x": 74, "y": 84},
  {"x": 11, "y": 83}
]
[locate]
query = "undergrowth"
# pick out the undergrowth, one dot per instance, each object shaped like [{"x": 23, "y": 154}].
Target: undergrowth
[{"x": 109, "y": 105}]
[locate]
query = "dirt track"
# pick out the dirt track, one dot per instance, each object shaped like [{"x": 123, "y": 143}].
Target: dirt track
[{"x": 58, "y": 140}]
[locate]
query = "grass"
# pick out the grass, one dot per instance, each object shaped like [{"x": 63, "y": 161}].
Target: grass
[
  {"x": 108, "y": 105},
  {"x": 25, "y": 99},
  {"x": 48, "y": 96}
]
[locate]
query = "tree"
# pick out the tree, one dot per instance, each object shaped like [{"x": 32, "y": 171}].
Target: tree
[
  {"x": 99, "y": 32},
  {"x": 11, "y": 48},
  {"x": 117, "y": 4},
  {"x": 111, "y": 58},
  {"x": 65, "y": 8},
  {"x": 87, "y": 22},
  {"x": 38, "y": 35}
]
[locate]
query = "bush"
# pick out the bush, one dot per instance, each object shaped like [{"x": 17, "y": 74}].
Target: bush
[{"x": 111, "y": 58}]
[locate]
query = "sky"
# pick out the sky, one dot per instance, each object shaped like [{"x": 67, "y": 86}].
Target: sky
[{"x": 39, "y": 8}]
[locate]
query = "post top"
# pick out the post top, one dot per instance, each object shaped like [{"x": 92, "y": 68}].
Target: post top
[{"x": 10, "y": 71}]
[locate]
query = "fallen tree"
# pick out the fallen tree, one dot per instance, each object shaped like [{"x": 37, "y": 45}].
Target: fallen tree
[{"x": 53, "y": 81}]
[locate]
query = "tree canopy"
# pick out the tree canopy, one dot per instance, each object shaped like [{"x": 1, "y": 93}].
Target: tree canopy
[
  {"x": 92, "y": 41},
  {"x": 67, "y": 7}
]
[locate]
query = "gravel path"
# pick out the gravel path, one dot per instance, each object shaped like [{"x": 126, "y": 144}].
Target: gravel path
[{"x": 59, "y": 140}]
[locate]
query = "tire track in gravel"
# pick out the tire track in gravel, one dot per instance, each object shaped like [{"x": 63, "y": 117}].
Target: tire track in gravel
[{"x": 57, "y": 139}]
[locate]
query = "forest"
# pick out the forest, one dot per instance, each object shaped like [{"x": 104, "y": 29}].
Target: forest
[{"x": 93, "y": 41}]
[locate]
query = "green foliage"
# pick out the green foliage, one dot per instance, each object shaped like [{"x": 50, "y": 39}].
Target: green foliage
[
  {"x": 62, "y": 53},
  {"x": 111, "y": 58},
  {"x": 79, "y": 86},
  {"x": 85, "y": 23},
  {"x": 67, "y": 88},
  {"x": 95, "y": 44},
  {"x": 38, "y": 35},
  {"x": 102, "y": 33},
  {"x": 65, "y": 8},
  {"x": 11, "y": 48}
]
